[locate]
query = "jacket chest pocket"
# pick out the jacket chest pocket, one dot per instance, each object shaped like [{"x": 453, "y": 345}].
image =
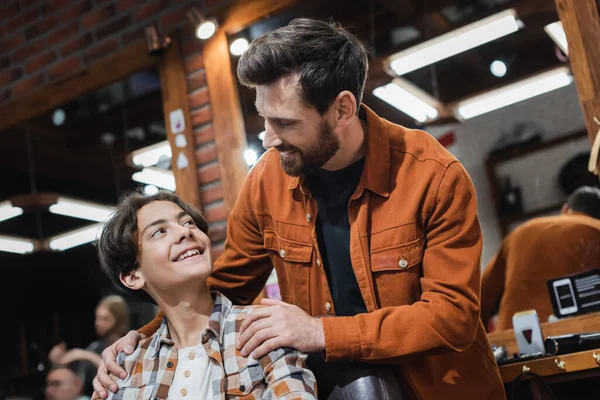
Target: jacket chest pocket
[
  {"x": 292, "y": 261},
  {"x": 396, "y": 273}
]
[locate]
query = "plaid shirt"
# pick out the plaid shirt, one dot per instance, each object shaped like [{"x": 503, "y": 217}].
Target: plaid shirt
[{"x": 281, "y": 374}]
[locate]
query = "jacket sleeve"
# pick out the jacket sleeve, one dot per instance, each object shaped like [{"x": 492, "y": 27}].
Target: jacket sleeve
[
  {"x": 241, "y": 272},
  {"x": 446, "y": 317},
  {"x": 492, "y": 284},
  {"x": 287, "y": 376}
]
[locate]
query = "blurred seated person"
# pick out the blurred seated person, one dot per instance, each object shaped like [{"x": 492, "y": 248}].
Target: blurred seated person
[
  {"x": 539, "y": 250},
  {"x": 63, "y": 383},
  {"x": 157, "y": 246},
  {"x": 112, "y": 322}
]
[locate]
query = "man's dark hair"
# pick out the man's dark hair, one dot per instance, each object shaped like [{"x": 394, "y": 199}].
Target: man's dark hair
[
  {"x": 327, "y": 58},
  {"x": 118, "y": 244},
  {"x": 585, "y": 199}
]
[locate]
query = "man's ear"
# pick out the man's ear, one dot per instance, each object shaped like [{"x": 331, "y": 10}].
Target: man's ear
[
  {"x": 345, "y": 108},
  {"x": 133, "y": 280}
]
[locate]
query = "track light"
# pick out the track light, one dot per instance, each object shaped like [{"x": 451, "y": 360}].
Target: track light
[
  {"x": 204, "y": 27},
  {"x": 16, "y": 245},
  {"x": 151, "y": 155},
  {"x": 557, "y": 33},
  {"x": 410, "y": 99},
  {"x": 514, "y": 93},
  {"x": 8, "y": 211},
  {"x": 156, "y": 42},
  {"x": 81, "y": 209},
  {"x": 75, "y": 238},
  {"x": 157, "y": 177},
  {"x": 455, "y": 42}
]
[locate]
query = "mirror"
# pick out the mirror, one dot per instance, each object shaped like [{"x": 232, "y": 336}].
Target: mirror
[{"x": 88, "y": 151}]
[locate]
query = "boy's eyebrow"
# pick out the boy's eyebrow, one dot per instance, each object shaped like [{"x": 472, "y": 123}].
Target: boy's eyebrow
[{"x": 163, "y": 221}]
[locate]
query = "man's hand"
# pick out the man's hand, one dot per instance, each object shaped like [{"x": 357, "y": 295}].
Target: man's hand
[
  {"x": 109, "y": 365},
  {"x": 57, "y": 353},
  {"x": 280, "y": 325}
]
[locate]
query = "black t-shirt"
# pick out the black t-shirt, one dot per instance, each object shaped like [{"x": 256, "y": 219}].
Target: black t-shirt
[{"x": 332, "y": 191}]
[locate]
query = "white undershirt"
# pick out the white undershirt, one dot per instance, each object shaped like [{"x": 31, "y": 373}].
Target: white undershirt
[{"x": 192, "y": 375}]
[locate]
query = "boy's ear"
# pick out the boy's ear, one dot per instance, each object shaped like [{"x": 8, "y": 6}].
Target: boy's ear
[{"x": 134, "y": 280}]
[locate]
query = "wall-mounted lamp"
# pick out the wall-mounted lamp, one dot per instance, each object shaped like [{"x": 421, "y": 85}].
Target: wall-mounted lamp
[
  {"x": 156, "y": 42},
  {"x": 204, "y": 27}
]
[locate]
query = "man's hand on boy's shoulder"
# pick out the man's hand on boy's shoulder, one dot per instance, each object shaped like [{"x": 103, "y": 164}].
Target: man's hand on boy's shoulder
[
  {"x": 109, "y": 365},
  {"x": 280, "y": 325}
]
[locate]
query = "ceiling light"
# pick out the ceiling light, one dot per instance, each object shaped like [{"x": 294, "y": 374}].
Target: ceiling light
[
  {"x": 75, "y": 238},
  {"x": 556, "y": 31},
  {"x": 261, "y": 136},
  {"x": 514, "y": 93},
  {"x": 455, "y": 42},
  {"x": 150, "y": 155},
  {"x": 498, "y": 68},
  {"x": 204, "y": 27},
  {"x": 58, "y": 117},
  {"x": 151, "y": 190},
  {"x": 409, "y": 99},
  {"x": 81, "y": 209},
  {"x": 157, "y": 177},
  {"x": 8, "y": 211},
  {"x": 250, "y": 156},
  {"x": 239, "y": 46},
  {"x": 16, "y": 245}
]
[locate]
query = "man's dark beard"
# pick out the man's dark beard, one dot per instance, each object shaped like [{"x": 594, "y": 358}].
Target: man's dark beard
[{"x": 315, "y": 156}]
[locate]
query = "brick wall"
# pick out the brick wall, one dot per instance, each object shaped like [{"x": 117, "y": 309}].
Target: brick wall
[{"x": 43, "y": 41}]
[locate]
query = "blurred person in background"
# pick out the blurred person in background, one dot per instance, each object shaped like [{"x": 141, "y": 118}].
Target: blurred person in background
[
  {"x": 112, "y": 322},
  {"x": 541, "y": 249},
  {"x": 63, "y": 383}
]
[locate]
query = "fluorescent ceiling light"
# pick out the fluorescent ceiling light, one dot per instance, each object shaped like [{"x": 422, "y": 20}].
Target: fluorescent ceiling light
[
  {"x": 455, "y": 42},
  {"x": 7, "y": 211},
  {"x": 514, "y": 93},
  {"x": 75, "y": 238},
  {"x": 81, "y": 209},
  {"x": 157, "y": 177},
  {"x": 557, "y": 33},
  {"x": 16, "y": 245},
  {"x": 149, "y": 156},
  {"x": 409, "y": 99}
]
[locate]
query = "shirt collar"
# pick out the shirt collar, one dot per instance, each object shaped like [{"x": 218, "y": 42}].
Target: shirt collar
[
  {"x": 376, "y": 172},
  {"x": 216, "y": 325}
]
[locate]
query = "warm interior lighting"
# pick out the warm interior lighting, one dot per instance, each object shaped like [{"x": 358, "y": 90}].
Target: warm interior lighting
[
  {"x": 8, "y": 211},
  {"x": 250, "y": 156},
  {"x": 150, "y": 155},
  {"x": 557, "y": 33},
  {"x": 81, "y": 209},
  {"x": 455, "y": 42},
  {"x": 157, "y": 177},
  {"x": 16, "y": 245},
  {"x": 75, "y": 238},
  {"x": 514, "y": 93},
  {"x": 409, "y": 99},
  {"x": 239, "y": 46},
  {"x": 204, "y": 27}
]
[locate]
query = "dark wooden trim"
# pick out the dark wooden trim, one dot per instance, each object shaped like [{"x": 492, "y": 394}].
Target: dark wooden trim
[
  {"x": 582, "y": 27},
  {"x": 174, "y": 95},
  {"x": 101, "y": 73},
  {"x": 228, "y": 121}
]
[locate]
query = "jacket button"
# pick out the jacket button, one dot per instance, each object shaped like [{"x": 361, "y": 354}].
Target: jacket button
[
  {"x": 403, "y": 263},
  {"x": 242, "y": 388},
  {"x": 308, "y": 217},
  {"x": 169, "y": 364},
  {"x": 282, "y": 253},
  {"x": 328, "y": 306}
]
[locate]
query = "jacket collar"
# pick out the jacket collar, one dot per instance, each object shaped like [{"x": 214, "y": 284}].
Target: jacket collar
[{"x": 376, "y": 172}]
